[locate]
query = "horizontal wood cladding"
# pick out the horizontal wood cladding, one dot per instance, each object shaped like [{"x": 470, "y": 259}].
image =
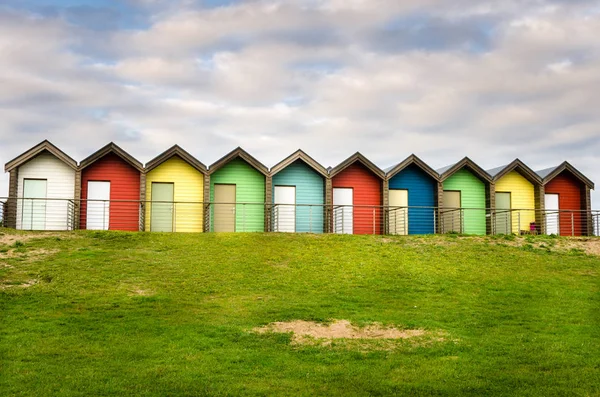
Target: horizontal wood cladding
[
  {"x": 60, "y": 185},
  {"x": 522, "y": 197},
  {"x": 249, "y": 188},
  {"x": 367, "y": 191},
  {"x": 422, "y": 191},
  {"x": 310, "y": 190},
  {"x": 124, "y": 185},
  {"x": 571, "y": 196},
  {"x": 472, "y": 199},
  {"x": 188, "y": 192}
]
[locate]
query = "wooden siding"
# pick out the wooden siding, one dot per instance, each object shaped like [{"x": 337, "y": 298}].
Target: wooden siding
[
  {"x": 124, "y": 185},
  {"x": 422, "y": 190},
  {"x": 250, "y": 188},
  {"x": 367, "y": 192},
  {"x": 522, "y": 197},
  {"x": 571, "y": 196},
  {"x": 188, "y": 188},
  {"x": 60, "y": 185},
  {"x": 473, "y": 195},
  {"x": 310, "y": 189}
]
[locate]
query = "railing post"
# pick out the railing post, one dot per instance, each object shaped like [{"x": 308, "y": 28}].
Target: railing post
[
  {"x": 309, "y": 218},
  {"x": 244, "y": 217},
  {"x": 519, "y": 221},
  {"x": 572, "y": 224}
]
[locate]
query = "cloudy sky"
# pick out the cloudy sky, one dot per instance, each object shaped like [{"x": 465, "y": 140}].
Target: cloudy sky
[{"x": 492, "y": 80}]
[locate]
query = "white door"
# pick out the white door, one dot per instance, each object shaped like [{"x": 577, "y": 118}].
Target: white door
[
  {"x": 398, "y": 215},
  {"x": 342, "y": 210},
  {"x": 34, "y": 204},
  {"x": 98, "y": 205},
  {"x": 284, "y": 210},
  {"x": 551, "y": 205}
]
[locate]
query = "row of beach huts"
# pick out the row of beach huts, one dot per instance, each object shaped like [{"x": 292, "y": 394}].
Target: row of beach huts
[{"x": 49, "y": 190}]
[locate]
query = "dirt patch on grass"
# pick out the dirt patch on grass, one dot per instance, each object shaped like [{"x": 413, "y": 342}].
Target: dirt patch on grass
[
  {"x": 25, "y": 284},
  {"x": 30, "y": 255},
  {"x": 140, "y": 292},
  {"x": 338, "y": 329}
]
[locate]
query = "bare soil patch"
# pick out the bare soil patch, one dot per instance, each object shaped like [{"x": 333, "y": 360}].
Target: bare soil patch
[
  {"x": 305, "y": 331},
  {"x": 25, "y": 284}
]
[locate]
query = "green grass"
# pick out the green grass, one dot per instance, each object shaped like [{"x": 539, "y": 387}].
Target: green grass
[{"x": 103, "y": 313}]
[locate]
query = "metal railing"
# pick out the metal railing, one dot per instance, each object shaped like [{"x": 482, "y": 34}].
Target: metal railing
[{"x": 177, "y": 216}]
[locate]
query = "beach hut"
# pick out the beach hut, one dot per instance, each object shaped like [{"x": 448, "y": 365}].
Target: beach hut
[
  {"x": 357, "y": 190},
  {"x": 174, "y": 192},
  {"x": 42, "y": 189},
  {"x": 517, "y": 199},
  {"x": 414, "y": 184},
  {"x": 298, "y": 194},
  {"x": 567, "y": 202},
  {"x": 238, "y": 193},
  {"x": 110, "y": 190},
  {"x": 464, "y": 198}
]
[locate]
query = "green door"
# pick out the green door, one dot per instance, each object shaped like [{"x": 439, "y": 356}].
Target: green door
[
  {"x": 162, "y": 207},
  {"x": 33, "y": 216},
  {"x": 503, "y": 214}
]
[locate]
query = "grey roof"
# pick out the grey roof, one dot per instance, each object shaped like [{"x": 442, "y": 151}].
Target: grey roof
[
  {"x": 495, "y": 171},
  {"x": 444, "y": 169},
  {"x": 545, "y": 172},
  {"x": 388, "y": 169}
]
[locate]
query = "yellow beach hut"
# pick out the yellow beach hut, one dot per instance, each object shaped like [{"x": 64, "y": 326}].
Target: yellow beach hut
[
  {"x": 517, "y": 199},
  {"x": 174, "y": 192}
]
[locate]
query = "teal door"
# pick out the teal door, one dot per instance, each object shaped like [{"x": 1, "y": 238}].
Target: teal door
[
  {"x": 162, "y": 207},
  {"x": 503, "y": 214},
  {"x": 33, "y": 215}
]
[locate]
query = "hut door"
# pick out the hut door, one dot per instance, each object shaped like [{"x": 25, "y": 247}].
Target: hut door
[
  {"x": 284, "y": 211},
  {"x": 98, "y": 211},
  {"x": 162, "y": 207},
  {"x": 451, "y": 212},
  {"x": 551, "y": 206},
  {"x": 33, "y": 215},
  {"x": 342, "y": 210},
  {"x": 398, "y": 215},
  {"x": 503, "y": 215},
  {"x": 224, "y": 211}
]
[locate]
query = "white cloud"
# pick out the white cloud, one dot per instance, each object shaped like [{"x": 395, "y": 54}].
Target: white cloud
[{"x": 275, "y": 76}]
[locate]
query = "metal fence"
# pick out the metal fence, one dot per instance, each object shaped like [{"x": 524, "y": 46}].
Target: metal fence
[{"x": 168, "y": 216}]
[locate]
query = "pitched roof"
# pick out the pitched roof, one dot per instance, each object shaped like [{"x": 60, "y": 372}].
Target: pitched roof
[
  {"x": 550, "y": 173},
  {"x": 111, "y": 148},
  {"x": 357, "y": 157},
  {"x": 448, "y": 171},
  {"x": 299, "y": 155},
  {"x": 518, "y": 166},
  {"x": 175, "y": 150},
  {"x": 412, "y": 159},
  {"x": 239, "y": 153},
  {"x": 45, "y": 145}
]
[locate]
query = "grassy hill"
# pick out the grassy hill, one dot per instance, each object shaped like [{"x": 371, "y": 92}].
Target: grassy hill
[{"x": 168, "y": 314}]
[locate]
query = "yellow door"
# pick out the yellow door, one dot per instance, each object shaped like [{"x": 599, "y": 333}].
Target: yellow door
[
  {"x": 224, "y": 211},
  {"x": 398, "y": 212}
]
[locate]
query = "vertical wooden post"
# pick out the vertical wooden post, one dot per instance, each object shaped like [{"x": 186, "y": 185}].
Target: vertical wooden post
[
  {"x": 207, "y": 203},
  {"x": 11, "y": 203},
  {"x": 268, "y": 201},
  {"x": 142, "y": 204},
  {"x": 77, "y": 204},
  {"x": 440, "y": 204},
  {"x": 490, "y": 203},
  {"x": 386, "y": 204},
  {"x": 539, "y": 198},
  {"x": 328, "y": 206}
]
